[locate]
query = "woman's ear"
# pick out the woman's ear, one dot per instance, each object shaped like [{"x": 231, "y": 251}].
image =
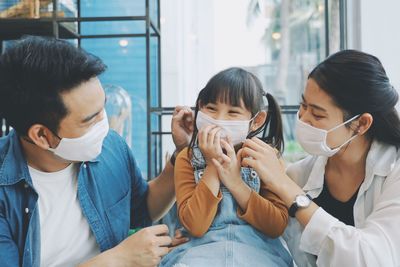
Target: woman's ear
[
  {"x": 258, "y": 120},
  {"x": 364, "y": 123},
  {"x": 41, "y": 136}
]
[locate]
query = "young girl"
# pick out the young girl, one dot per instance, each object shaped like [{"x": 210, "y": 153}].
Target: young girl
[{"x": 232, "y": 218}]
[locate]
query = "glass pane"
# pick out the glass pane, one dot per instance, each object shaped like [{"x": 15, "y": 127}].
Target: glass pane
[
  {"x": 126, "y": 63},
  {"x": 113, "y": 27},
  {"x": 334, "y": 26},
  {"x": 107, "y": 8},
  {"x": 154, "y": 72},
  {"x": 153, "y": 10}
]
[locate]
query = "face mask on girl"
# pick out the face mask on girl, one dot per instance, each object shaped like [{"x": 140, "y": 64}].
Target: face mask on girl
[
  {"x": 84, "y": 148},
  {"x": 236, "y": 130},
  {"x": 313, "y": 140}
]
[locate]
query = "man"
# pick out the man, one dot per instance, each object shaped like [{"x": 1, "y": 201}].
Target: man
[{"x": 70, "y": 189}]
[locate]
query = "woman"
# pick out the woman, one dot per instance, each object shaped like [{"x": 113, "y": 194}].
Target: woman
[{"x": 345, "y": 197}]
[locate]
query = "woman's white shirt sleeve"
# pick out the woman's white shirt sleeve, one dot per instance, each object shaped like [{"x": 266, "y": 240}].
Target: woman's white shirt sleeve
[{"x": 375, "y": 238}]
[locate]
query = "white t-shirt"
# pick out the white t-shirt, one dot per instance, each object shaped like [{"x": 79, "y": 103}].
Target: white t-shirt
[{"x": 66, "y": 238}]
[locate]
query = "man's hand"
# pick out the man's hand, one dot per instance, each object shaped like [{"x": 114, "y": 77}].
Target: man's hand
[
  {"x": 146, "y": 247},
  {"x": 178, "y": 239},
  {"x": 182, "y": 126}
]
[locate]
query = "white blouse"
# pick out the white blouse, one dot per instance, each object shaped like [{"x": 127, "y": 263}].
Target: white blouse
[{"x": 375, "y": 238}]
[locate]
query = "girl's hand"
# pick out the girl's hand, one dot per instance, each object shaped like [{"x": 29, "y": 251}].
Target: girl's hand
[
  {"x": 264, "y": 160},
  {"x": 228, "y": 167},
  {"x": 210, "y": 142}
]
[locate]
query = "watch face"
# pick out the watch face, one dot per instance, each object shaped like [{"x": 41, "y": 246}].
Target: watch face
[{"x": 303, "y": 201}]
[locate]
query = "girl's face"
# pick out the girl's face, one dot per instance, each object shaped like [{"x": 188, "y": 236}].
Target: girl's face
[
  {"x": 319, "y": 110},
  {"x": 223, "y": 111}
]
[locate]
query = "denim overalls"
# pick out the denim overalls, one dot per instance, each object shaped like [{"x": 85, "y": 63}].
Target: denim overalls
[{"x": 230, "y": 241}]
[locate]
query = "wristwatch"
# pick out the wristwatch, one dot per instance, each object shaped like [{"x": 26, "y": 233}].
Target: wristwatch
[{"x": 300, "y": 202}]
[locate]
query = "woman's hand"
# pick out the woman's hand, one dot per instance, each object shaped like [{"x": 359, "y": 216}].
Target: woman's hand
[
  {"x": 228, "y": 167},
  {"x": 210, "y": 143},
  {"x": 264, "y": 160}
]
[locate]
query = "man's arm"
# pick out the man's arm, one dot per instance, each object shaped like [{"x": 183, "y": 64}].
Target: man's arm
[
  {"x": 161, "y": 193},
  {"x": 9, "y": 255}
]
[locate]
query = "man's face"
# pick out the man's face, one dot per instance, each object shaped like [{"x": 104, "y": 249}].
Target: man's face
[{"x": 85, "y": 105}]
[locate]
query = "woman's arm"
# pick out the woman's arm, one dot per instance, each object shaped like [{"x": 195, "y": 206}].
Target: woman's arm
[
  {"x": 375, "y": 243},
  {"x": 197, "y": 203}
]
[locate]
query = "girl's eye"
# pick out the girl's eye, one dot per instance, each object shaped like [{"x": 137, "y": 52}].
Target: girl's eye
[{"x": 210, "y": 108}]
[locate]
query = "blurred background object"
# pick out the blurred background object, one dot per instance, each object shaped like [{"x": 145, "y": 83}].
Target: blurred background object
[{"x": 119, "y": 111}]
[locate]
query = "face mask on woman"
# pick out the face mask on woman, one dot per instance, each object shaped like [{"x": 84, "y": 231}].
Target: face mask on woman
[
  {"x": 236, "y": 130},
  {"x": 84, "y": 148},
  {"x": 313, "y": 140}
]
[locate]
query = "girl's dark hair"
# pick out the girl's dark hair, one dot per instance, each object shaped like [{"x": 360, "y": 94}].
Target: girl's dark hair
[
  {"x": 233, "y": 85},
  {"x": 358, "y": 84}
]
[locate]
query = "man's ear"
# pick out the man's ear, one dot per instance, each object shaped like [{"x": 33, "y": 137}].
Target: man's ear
[
  {"x": 41, "y": 136},
  {"x": 258, "y": 120},
  {"x": 364, "y": 122}
]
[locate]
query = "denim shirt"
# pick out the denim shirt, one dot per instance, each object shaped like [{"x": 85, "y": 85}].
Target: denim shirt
[{"x": 111, "y": 192}]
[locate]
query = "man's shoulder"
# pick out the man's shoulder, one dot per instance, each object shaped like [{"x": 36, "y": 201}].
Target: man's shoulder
[
  {"x": 113, "y": 141},
  {"x": 114, "y": 148}
]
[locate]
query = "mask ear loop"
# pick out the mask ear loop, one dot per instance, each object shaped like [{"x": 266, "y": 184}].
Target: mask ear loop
[{"x": 255, "y": 133}]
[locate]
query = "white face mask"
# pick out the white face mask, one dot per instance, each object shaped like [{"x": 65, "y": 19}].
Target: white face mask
[
  {"x": 84, "y": 148},
  {"x": 236, "y": 130},
  {"x": 313, "y": 140}
]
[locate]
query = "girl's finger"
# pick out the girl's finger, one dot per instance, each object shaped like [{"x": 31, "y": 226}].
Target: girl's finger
[
  {"x": 217, "y": 138},
  {"x": 211, "y": 134},
  {"x": 229, "y": 139},
  {"x": 225, "y": 159},
  {"x": 239, "y": 155},
  {"x": 229, "y": 149}
]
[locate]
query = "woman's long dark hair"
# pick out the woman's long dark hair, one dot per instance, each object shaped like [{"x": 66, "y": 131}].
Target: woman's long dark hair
[
  {"x": 358, "y": 84},
  {"x": 234, "y": 85}
]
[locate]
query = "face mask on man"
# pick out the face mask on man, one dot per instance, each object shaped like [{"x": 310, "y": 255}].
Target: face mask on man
[
  {"x": 313, "y": 140},
  {"x": 236, "y": 130},
  {"x": 84, "y": 148}
]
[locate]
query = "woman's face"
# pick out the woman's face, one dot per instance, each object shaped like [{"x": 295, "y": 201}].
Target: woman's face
[{"x": 319, "y": 110}]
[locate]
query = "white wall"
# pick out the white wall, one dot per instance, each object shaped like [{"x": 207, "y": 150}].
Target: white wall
[{"x": 375, "y": 29}]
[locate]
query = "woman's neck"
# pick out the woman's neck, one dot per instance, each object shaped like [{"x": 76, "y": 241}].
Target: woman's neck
[{"x": 353, "y": 156}]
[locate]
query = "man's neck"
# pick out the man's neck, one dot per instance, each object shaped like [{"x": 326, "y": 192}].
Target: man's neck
[{"x": 40, "y": 159}]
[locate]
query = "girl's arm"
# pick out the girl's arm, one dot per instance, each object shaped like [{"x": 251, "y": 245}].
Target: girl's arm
[
  {"x": 197, "y": 203},
  {"x": 266, "y": 212}
]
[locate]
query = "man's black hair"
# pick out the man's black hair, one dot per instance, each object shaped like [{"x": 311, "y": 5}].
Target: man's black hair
[{"x": 33, "y": 74}]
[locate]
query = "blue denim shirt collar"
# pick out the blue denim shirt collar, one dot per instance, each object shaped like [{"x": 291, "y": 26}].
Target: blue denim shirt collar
[{"x": 14, "y": 168}]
